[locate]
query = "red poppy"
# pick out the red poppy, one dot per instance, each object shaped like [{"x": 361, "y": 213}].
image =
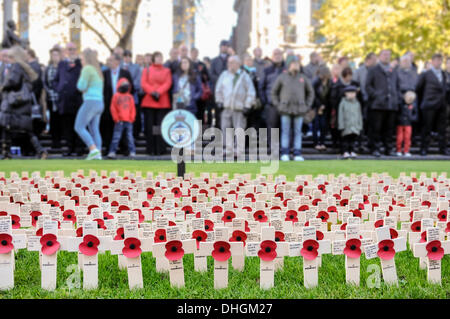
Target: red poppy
[
  {"x": 247, "y": 208},
  {"x": 416, "y": 226},
  {"x": 187, "y": 209},
  {"x": 132, "y": 248},
  {"x": 260, "y": 216},
  {"x": 319, "y": 235},
  {"x": 280, "y": 195},
  {"x": 291, "y": 215},
  {"x": 435, "y": 251},
  {"x": 221, "y": 251},
  {"x": 310, "y": 249},
  {"x": 39, "y": 232},
  {"x": 49, "y": 243},
  {"x": 337, "y": 196},
  {"x": 431, "y": 188},
  {"x": 125, "y": 193},
  {"x": 332, "y": 209},
  {"x": 447, "y": 229},
  {"x": 228, "y": 216},
  {"x": 172, "y": 223},
  {"x": 379, "y": 223},
  {"x": 120, "y": 235},
  {"x": 199, "y": 236},
  {"x": 394, "y": 233},
  {"x": 303, "y": 208},
  {"x": 98, "y": 193},
  {"x": 442, "y": 215},
  {"x": 160, "y": 236},
  {"x": 247, "y": 229},
  {"x": 300, "y": 189},
  {"x": 356, "y": 213},
  {"x": 89, "y": 245},
  {"x": 6, "y": 244},
  {"x": 100, "y": 223},
  {"x": 386, "y": 249},
  {"x": 15, "y": 221},
  {"x": 344, "y": 226},
  {"x": 279, "y": 236},
  {"x": 323, "y": 215},
  {"x": 239, "y": 235},
  {"x": 426, "y": 203},
  {"x": 90, "y": 207},
  {"x": 34, "y": 217},
  {"x": 423, "y": 237},
  {"x": 79, "y": 232},
  {"x": 122, "y": 208},
  {"x": 176, "y": 192},
  {"x": 174, "y": 250},
  {"x": 107, "y": 216},
  {"x": 268, "y": 250},
  {"x": 43, "y": 198},
  {"x": 344, "y": 202},
  {"x": 69, "y": 215},
  {"x": 76, "y": 199},
  {"x": 316, "y": 201},
  {"x": 209, "y": 225},
  {"x": 322, "y": 188},
  {"x": 353, "y": 248}
]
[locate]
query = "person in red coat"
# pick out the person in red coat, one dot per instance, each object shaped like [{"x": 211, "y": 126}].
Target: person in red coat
[
  {"x": 155, "y": 82},
  {"x": 123, "y": 113}
]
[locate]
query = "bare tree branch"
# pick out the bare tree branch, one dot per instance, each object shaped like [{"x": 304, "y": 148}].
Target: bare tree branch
[{"x": 97, "y": 8}]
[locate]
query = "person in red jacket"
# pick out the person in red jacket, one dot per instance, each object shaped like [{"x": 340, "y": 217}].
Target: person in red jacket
[
  {"x": 123, "y": 112},
  {"x": 155, "y": 82}
]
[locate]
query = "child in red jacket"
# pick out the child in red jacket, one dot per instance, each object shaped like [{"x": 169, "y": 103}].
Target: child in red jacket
[{"x": 123, "y": 112}]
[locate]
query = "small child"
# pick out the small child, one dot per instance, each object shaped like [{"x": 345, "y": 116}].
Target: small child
[
  {"x": 350, "y": 121},
  {"x": 407, "y": 115},
  {"x": 123, "y": 112}
]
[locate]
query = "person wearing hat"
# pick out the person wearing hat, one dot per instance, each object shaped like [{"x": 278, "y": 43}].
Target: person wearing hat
[
  {"x": 293, "y": 96},
  {"x": 350, "y": 122}
]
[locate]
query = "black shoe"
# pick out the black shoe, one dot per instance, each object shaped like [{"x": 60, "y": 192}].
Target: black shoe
[
  {"x": 423, "y": 152},
  {"x": 376, "y": 153},
  {"x": 389, "y": 153}
]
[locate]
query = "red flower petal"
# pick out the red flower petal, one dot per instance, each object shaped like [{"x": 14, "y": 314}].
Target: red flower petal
[{"x": 221, "y": 251}]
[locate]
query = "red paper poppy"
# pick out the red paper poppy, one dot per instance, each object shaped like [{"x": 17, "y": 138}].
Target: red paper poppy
[
  {"x": 125, "y": 193},
  {"x": 199, "y": 236},
  {"x": 303, "y": 208},
  {"x": 247, "y": 229},
  {"x": 90, "y": 207},
  {"x": 228, "y": 216},
  {"x": 323, "y": 215},
  {"x": 337, "y": 196},
  {"x": 344, "y": 202},
  {"x": 174, "y": 250},
  {"x": 6, "y": 244},
  {"x": 260, "y": 216},
  {"x": 268, "y": 250},
  {"x": 426, "y": 203},
  {"x": 120, "y": 235},
  {"x": 431, "y": 188},
  {"x": 423, "y": 237},
  {"x": 239, "y": 235},
  {"x": 160, "y": 236},
  {"x": 386, "y": 249},
  {"x": 442, "y": 215},
  {"x": 332, "y": 209},
  {"x": 98, "y": 193},
  {"x": 15, "y": 222},
  {"x": 132, "y": 248},
  {"x": 379, "y": 223},
  {"x": 291, "y": 216},
  {"x": 447, "y": 229},
  {"x": 172, "y": 223},
  {"x": 89, "y": 245},
  {"x": 353, "y": 248},
  {"x": 79, "y": 232},
  {"x": 435, "y": 251},
  {"x": 187, "y": 209},
  {"x": 100, "y": 223},
  {"x": 107, "y": 216},
  {"x": 394, "y": 233},
  {"x": 300, "y": 189},
  {"x": 39, "y": 232},
  {"x": 122, "y": 208},
  {"x": 69, "y": 215},
  {"x": 344, "y": 226},
  {"x": 322, "y": 188},
  {"x": 310, "y": 249},
  {"x": 279, "y": 236},
  {"x": 416, "y": 227},
  {"x": 49, "y": 243},
  {"x": 221, "y": 251},
  {"x": 34, "y": 217},
  {"x": 316, "y": 201},
  {"x": 319, "y": 235},
  {"x": 176, "y": 192},
  {"x": 3, "y": 213},
  {"x": 356, "y": 213},
  {"x": 280, "y": 196},
  {"x": 76, "y": 199},
  {"x": 217, "y": 209},
  {"x": 209, "y": 225}
]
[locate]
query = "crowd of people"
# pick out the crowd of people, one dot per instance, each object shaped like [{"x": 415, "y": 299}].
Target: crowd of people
[{"x": 103, "y": 107}]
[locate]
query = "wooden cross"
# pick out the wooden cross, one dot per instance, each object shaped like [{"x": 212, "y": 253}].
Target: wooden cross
[{"x": 351, "y": 247}]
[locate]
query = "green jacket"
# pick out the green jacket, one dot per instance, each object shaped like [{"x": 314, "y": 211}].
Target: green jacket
[
  {"x": 292, "y": 94},
  {"x": 350, "y": 117}
]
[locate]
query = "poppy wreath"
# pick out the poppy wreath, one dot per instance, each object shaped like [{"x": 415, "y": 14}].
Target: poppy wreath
[
  {"x": 291, "y": 216},
  {"x": 132, "y": 248},
  {"x": 6, "y": 244},
  {"x": 221, "y": 251},
  {"x": 228, "y": 216},
  {"x": 260, "y": 216},
  {"x": 268, "y": 250},
  {"x": 89, "y": 245},
  {"x": 310, "y": 249},
  {"x": 160, "y": 236},
  {"x": 435, "y": 250},
  {"x": 386, "y": 249},
  {"x": 199, "y": 236},
  {"x": 353, "y": 248},
  {"x": 50, "y": 244},
  {"x": 174, "y": 250},
  {"x": 120, "y": 235},
  {"x": 15, "y": 222},
  {"x": 238, "y": 235}
]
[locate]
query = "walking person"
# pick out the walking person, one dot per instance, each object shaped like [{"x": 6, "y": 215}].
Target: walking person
[
  {"x": 350, "y": 122},
  {"x": 88, "y": 116}
]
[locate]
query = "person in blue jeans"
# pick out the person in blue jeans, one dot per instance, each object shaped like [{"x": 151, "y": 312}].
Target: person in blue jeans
[
  {"x": 293, "y": 96},
  {"x": 123, "y": 112},
  {"x": 90, "y": 84}
]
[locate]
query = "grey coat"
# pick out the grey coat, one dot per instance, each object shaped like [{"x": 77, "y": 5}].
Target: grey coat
[
  {"x": 292, "y": 94},
  {"x": 350, "y": 117},
  {"x": 407, "y": 79}
]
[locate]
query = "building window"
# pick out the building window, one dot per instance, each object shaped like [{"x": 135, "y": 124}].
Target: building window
[{"x": 292, "y": 7}]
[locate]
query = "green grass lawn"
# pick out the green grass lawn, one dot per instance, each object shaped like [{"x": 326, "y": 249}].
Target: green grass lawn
[{"x": 288, "y": 282}]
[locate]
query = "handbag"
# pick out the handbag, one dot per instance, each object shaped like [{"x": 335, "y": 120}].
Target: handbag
[
  {"x": 36, "y": 109},
  {"x": 309, "y": 116},
  {"x": 20, "y": 97},
  {"x": 207, "y": 93}
]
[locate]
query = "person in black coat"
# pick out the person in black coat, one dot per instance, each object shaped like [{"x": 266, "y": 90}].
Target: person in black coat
[
  {"x": 69, "y": 98},
  {"x": 322, "y": 100},
  {"x": 432, "y": 93},
  {"x": 382, "y": 87},
  {"x": 112, "y": 75}
]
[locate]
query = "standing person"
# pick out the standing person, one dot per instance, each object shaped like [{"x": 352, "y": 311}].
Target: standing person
[
  {"x": 382, "y": 88},
  {"x": 314, "y": 63},
  {"x": 174, "y": 60},
  {"x": 187, "y": 86},
  {"x": 14, "y": 116},
  {"x": 432, "y": 94},
  {"x": 254, "y": 116},
  {"x": 235, "y": 94},
  {"x": 123, "y": 113},
  {"x": 34, "y": 63},
  {"x": 259, "y": 63},
  {"x": 69, "y": 98},
  {"x": 156, "y": 82},
  {"x": 270, "y": 112},
  {"x": 52, "y": 97},
  {"x": 111, "y": 77},
  {"x": 407, "y": 114},
  {"x": 350, "y": 122},
  {"x": 205, "y": 103},
  {"x": 148, "y": 58},
  {"x": 322, "y": 93},
  {"x": 219, "y": 64},
  {"x": 91, "y": 85},
  {"x": 293, "y": 96},
  {"x": 136, "y": 74}
]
